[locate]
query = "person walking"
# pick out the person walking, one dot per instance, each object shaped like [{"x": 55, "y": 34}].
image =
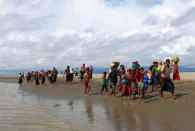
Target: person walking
[{"x": 166, "y": 82}]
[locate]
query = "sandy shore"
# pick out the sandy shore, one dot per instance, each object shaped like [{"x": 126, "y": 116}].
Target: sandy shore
[{"x": 102, "y": 112}]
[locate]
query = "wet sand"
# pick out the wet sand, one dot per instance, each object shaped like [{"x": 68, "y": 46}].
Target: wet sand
[{"x": 64, "y": 107}]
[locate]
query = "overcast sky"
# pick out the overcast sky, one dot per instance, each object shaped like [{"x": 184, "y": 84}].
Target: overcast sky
[{"x": 47, "y": 33}]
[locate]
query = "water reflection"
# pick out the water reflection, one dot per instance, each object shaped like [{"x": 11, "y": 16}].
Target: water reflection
[
  {"x": 89, "y": 112},
  {"x": 107, "y": 112},
  {"x": 71, "y": 105}
]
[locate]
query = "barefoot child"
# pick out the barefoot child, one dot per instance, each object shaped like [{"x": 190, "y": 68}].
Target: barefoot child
[
  {"x": 112, "y": 78},
  {"x": 104, "y": 83},
  {"x": 120, "y": 73},
  {"x": 146, "y": 81},
  {"x": 141, "y": 87},
  {"x": 86, "y": 82},
  {"x": 137, "y": 78},
  {"x": 126, "y": 90},
  {"x": 154, "y": 81},
  {"x": 129, "y": 77}
]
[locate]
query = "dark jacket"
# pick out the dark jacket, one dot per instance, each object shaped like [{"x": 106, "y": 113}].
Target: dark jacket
[{"x": 112, "y": 77}]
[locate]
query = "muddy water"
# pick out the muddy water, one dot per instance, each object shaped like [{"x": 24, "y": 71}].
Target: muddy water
[{"x": 20, "y": 110}]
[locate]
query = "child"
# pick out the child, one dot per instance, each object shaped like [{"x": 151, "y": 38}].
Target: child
[
  {"x": 104, "y": 83},
  {"x": 86, "y": 82},
  {"x": 137, "y": 79},
  {"x": 120, "y": 73},
  {"x": 141, "y": 87},
  {"x": 126, "y": 88},
  {"x": 112, "y": 78},
  {"x": 154, "y": 81},
  {"x": 146, "y": 81},
  {"x": 129, "y": 77}
]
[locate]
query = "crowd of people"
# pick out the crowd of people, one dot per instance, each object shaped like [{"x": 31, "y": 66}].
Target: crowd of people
[
  {"x": 39, "y": 77},
  {"x": 131, "y": 81},
  {"x": 136, "y": 80}
]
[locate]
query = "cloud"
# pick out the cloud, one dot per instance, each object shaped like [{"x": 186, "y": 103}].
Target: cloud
[
  {"x": 16, "y": 22},
  {"x": 149, "y": 2},
  {"x": 187, "y": 18},
  {"x": 43, "y": 34}
]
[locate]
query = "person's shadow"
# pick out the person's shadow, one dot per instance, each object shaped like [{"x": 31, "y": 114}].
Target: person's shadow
[
  {"x": 177, "y": 95},
  {"x": 181, "y": 95}
]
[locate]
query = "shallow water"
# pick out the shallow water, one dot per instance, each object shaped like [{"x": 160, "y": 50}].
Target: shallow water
[{"x": 20, "y": 110}]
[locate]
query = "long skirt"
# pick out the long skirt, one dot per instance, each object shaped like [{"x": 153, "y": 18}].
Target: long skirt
[
  {"x": 126, "y": 90},
  {"x": 42, "y": 80},
  {"x": 176, "y": 76},
  {"x": 167, "y": 84}
]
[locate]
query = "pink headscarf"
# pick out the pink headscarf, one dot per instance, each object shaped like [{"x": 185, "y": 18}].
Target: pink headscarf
[
  {"x": 159, "y": 63},
  {"x": 43, "y": 73}
]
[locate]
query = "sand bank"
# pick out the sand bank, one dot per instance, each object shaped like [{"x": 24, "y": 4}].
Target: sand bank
[{"x": 64, "y": 107}]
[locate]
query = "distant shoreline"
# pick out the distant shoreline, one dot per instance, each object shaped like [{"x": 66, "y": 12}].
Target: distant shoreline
[{"x": 183, "y": 75}]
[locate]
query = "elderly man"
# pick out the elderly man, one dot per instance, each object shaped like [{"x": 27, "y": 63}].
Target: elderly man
[{"x": 166, "y": 82}]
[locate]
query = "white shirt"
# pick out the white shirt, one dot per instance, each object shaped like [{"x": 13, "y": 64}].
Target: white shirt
[
  {"x": 72, "y": 71},
  {"x": 167, "y": 71}
]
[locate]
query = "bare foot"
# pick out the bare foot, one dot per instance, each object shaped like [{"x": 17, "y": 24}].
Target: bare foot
[{"x": 173, "y": 97}]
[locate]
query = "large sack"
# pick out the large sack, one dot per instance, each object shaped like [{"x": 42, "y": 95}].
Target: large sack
[
  {"x": 112, "y": 64},
  {"x": 175, "y": 59},
  {"x": 158, "y": 70}
]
